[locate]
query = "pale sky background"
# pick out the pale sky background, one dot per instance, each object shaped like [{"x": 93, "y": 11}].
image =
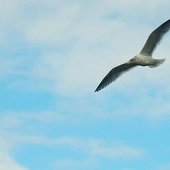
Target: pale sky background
[{"x": 53, "y": 54}]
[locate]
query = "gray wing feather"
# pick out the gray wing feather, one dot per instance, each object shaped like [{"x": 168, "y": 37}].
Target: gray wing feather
[
  {"x": 154, "y": 38},
  {"x": 114, "y": 74}
]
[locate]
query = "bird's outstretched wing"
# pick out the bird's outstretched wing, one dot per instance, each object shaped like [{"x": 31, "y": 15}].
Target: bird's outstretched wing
[
  {"x": 114, "y": 74},
  {"x": 154, "y": 38}
]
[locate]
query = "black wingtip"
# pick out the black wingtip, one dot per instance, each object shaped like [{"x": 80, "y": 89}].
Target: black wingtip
[{"x": 96, "y": 91}]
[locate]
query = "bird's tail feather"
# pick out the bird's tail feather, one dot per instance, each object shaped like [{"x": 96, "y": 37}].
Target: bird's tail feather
[{"x": 157, "y": 62}]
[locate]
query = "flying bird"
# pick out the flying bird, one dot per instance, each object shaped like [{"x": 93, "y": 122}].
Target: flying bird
[{"x": 144, "y": 58}]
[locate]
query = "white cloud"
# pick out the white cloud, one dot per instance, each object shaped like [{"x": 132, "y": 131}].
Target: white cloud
[
  {"x": 84, "y": 46},
  {"x": 96, "y": 45},
  {"x": 7, "y": 162},
  {"x": 91, "y": 40}
]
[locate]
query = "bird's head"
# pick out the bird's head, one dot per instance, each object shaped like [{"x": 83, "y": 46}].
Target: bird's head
[{"x": 133, "y": 60}]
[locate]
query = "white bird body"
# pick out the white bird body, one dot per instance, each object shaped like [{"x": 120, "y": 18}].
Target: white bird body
[
  {"x": 144, "y": 58},
  {"x": 147, "y": 60}
]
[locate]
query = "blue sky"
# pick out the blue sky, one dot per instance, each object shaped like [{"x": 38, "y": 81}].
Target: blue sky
[{"x": 53, "y": 54}]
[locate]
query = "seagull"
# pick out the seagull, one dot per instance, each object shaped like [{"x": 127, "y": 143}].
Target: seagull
[{"x": 144, "y": 58}]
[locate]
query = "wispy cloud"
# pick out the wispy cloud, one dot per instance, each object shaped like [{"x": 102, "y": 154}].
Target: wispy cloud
[
  {"x": 91, "y": 147},
  {"x": 118, "y": 152},
  {"x": 71, "y": 164},
  {"x": 93, "y": 150},
  {"x": 164, "y": 167}
]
